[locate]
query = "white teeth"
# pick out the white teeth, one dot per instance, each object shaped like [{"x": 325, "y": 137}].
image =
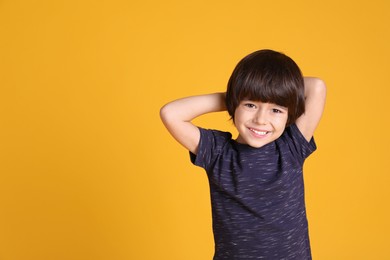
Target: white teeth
[{"x": 259, "y": 132}]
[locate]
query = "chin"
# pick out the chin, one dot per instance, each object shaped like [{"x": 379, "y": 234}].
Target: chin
[{"x": 257, "y": 146}]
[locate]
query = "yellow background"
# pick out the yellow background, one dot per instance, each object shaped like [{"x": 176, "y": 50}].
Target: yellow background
[{"x": 87, "y": 170}]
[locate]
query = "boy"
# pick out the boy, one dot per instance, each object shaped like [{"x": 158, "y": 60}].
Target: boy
[{"x": 256, "y": 180}]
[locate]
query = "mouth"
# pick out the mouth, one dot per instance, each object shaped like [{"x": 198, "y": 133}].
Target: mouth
[{"x": 259, "y": 133}]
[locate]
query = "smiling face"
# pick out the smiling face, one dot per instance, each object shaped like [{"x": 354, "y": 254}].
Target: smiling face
[
  {"x": 259, "y": 123},
  {"x": 270, "y": 77}
]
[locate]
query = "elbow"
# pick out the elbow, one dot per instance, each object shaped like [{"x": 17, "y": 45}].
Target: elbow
[
  {"x": 319, "y": 83},
  {"x": 164, "y": 113},
  {"x": 168, "y": 114},
  {"x": 318, "y": 87},
  {"x": 319, "y": 93}
]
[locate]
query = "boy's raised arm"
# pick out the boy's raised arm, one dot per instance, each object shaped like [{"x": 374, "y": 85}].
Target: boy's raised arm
[
  {"x": 177, "y": 116},
  {"x": 315, "y": 95}
]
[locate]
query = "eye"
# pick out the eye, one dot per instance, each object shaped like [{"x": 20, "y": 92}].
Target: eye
[
  {"x": 275, "y": 110},
  {"x": 250, "y": 105}
]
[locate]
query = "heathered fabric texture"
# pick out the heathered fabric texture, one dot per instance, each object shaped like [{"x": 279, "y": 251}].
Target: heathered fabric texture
[{"x": 257, "y": 195}]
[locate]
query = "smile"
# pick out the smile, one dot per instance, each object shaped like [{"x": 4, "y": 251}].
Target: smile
[{"x": 257, "y": 132}]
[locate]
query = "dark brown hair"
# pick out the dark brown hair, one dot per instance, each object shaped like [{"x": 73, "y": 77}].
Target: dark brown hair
[{"x": 270, "y": 77}]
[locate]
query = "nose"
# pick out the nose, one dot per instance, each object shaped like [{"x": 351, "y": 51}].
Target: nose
[{"x": 260, "y": 117}]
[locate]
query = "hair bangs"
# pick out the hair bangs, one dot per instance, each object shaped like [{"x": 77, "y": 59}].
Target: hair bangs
[{"x": 259, "y": 86}]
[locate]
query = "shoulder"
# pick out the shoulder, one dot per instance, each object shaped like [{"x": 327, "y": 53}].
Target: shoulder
[
  {"x": 216, "y": 133},
  {"x": 293, "y": 140},
  {"x": 211, "y": 143},
  {"x": 214, "y": 137}
]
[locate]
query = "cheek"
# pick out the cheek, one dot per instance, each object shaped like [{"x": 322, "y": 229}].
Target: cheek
[
  {"x": 282, "y": 121},
  {"x": 237, "y": 116},
  {"x": 241, "y": 116}
]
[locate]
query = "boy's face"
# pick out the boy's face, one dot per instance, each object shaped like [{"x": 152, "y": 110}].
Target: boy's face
[{"x": 259, "y": 123}]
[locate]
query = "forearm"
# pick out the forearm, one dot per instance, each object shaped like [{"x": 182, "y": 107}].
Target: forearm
[{"x": 186, "y": 109}]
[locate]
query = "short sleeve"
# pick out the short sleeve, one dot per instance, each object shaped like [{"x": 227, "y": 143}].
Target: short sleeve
[
  {"x": 210, "y": 146},
  {"x": 300, "y": 147}
]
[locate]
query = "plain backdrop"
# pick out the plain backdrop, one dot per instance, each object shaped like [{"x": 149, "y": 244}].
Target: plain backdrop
[{"x": 87, "y": 170}]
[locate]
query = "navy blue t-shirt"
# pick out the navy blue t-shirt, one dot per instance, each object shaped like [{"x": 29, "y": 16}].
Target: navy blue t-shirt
[{"x": 257, "y": 195}]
